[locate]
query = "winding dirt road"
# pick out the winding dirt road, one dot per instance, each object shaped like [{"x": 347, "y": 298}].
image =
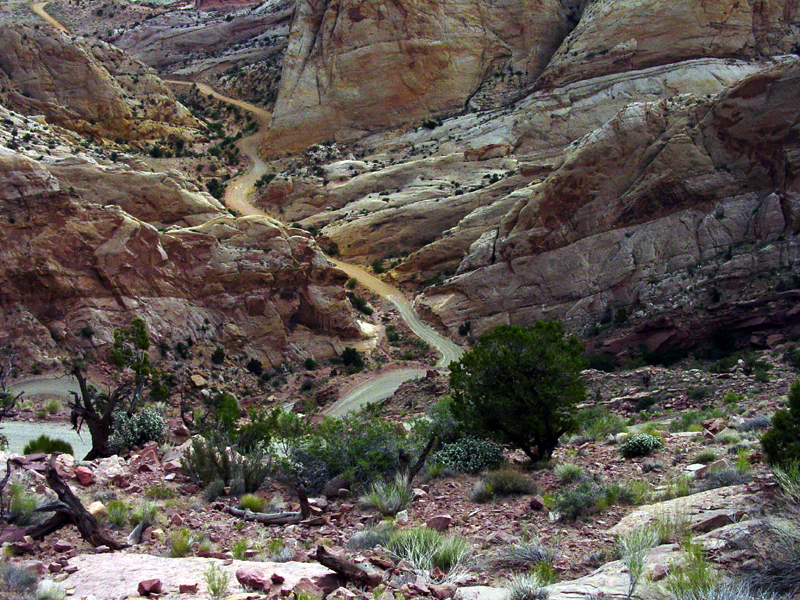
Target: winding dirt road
[
  {"x": 237, "y": 197},
  {"x": 38, "y": 8}
]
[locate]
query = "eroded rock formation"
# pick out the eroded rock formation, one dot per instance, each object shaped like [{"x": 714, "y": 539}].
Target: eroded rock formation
[{"x": 86, "y": 86}]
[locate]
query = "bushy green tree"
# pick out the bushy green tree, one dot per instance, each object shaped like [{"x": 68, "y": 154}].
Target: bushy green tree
[
  {"x": 520, "y": 386},
  {"x": 780, "y": 442},
  {"x": 139, "y": 382}
]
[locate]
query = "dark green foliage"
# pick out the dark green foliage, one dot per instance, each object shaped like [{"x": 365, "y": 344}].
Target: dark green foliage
[
  {"x": 135, "y": 430},
  {"x": 310, "y": 364},
  {"x": 377, "y": 266},
  {"x": 641, "y": 444},
  {"x": 218, "y": 356},
  {"x": 216, "y": 188},
  {"x": 602, "y": 362},
  {"x": 359, "y": 303},
  {"x": 663, "y": 356},
  {"x": 208, "y": 461},
  {"x": 17, "y": 581},
  {"x": 520, "y": 386},
  {"x": 577, "y": 501},
  {"x": 501, "y": 483},
  {"x": 697, "y": 393},
  {"x": 597, "y": 422},
  {"x": 469, "y": 455},
  {"x": 352, "y": 359},
  {"x": 361, "y": 447},
  {"x": 255, "y": 367},
  {"x": 646, "y": 403},
  {"x": 781, "y": 442},
  {"x": 47, "y": 445}
]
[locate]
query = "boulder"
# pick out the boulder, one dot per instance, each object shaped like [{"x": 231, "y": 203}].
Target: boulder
[
  {"x": 149, "y": 587},
  {"x": 440, "y": 523},
  {"x": 253, "y": 579},
  {"x": 84, "y": 475},
  {"x": 309, "y": 588}
]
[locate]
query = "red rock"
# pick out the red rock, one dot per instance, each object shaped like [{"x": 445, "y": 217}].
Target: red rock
[
  {"x": 712, "y": 523},
  {"x": 444, "y": 591},
  {"x": 308, "y": 587},
  {"x": 327, "y": 583},
  {"x": 537, "y": 503},
  {"x": 149, "y": 586},
  {"x": 253, "y": 579},
  {"x": 84, "y": 475},
  {"x": 277, "y": 579},
  {"x": 187, "y": 588},
  {"x": 55, "y": 567},
  {"x": 62, "y": 546},
  {"x": 440, "y": 523}
]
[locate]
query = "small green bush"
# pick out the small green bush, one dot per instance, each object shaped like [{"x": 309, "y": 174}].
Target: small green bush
[
  {"x": 705, "y": 457},
  {"x": 253, "y": 503},
  {"x": 581, "y": 500},
  {"x": 218, "y": 356},
  {"x": 597, "y": 422},
  {"x": 144, "y": 512},
  {"x": 208, "y": 461},
  {"x": 780, "y": 442},
  {"x": 239, "y": 549},
  {"x": 132, "y": 431},
  {"x": 500, "y": 483},
  {"x": 526, "y": 587},
  {"x": 52, "y": 406},
  {"x": 389, "y": 498},
  {"x": 180, "y": 543},
  {"x": 117, "y": 514},
  {"x": 695, "y": 577},
  {"x": 427, "y": 550},
  {"x": 17, "y": 580},
  {"x": 469, "y": 455},
  {"x": 159, "y": 491},
  {"x": 641, "y": 444},
  {"x": 523, "y": 555},
  {"x": 217, "y": 581},
  {"x": 371, "y": 537},
  {"x": 47, "y": 445},
  {"x": 569, "y": 472},
  {"x": 22, "y": 505}
]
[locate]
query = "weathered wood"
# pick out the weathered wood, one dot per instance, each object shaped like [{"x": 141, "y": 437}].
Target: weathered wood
[
  {"x": 70, "y": 511},
  {"x": 412, "y": 472},
  {"x": 346, "y": 569},
  {"x": 282, "y": 518},
  {"x": 305, "y": 509}
]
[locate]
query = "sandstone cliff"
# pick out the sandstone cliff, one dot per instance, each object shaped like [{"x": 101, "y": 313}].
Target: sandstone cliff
[
  {"x": 353, "y": 66},
  {"x": 71, "y": 266},
  {"x": 86, "y": 86},
  {"x": 683, "y": 212}
]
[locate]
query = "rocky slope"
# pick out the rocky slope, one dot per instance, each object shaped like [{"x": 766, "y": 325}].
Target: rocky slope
[
  {"x": 73, "y": 269},
  {"x": 86, "y": 86},
  {"x": 353, "y": 67}
]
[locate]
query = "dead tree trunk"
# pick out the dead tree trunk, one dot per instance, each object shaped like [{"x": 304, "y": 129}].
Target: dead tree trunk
[
  {"x": 346, "y": 569},
  {"x": 69, "y": 510}
]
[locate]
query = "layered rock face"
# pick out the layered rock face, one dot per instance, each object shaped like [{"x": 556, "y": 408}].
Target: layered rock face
[
  {"x": 354, "y": 66},
  {"x": 615, "y": 36},
  {"x": 685, "y": 213},
  {"x": 70, "y": 266},
  {"x": 89, "y": 87}
]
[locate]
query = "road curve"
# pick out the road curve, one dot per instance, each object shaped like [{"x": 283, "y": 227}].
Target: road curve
[
  {"x": 381, "y": 386},
  {"x": 50, "y": 386},
  {"x": 237, "y": 198},
  {"x": 38, "y": 8}
]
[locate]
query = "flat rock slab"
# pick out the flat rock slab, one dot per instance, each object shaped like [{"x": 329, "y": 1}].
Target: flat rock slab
[
  {"x": 734, "y": 502},
  {"x": 117, "y": 576}
]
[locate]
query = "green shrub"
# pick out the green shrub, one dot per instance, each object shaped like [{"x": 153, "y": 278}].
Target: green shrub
[
  {"x": 132, "y": 431},
  {"x": 427, "y": 549},
  {"x": 209, "y": 461},
  {"x": 695, "y": 577},
  {"x": 523, "y": 555},
  {"x": 255, "y": 367},
  {"x": 500, "y": 483},
  {"x": 22, "y": 505},
  {"x": 469, "y": 455},
  {"x": 253, "y": 503},
  {"x": 310, "y": 364},
  {"x": 180, "y": 543},
  {"x": 159, "y": 491},
  {"x": 239, "y": 549},
  {"x": 117, "y": 514},
  {"x": 47, "y": 445},
  {"x": 371, "y": 537},
  {"x": 50, "y": 590},
  {"x": 352, "y": 359},
  {"x": 641, "y": 444},
  {"x": 526, "y": 587},
  {"x": 144, "y": 512},
  {"x": 632, "y": 549},
  {"x": 389, "y": 498},
  {"x": 569, "y": 472},
  {"x": 52, "y": 406},
  {"x": 351, "y": 283},
  {"x": 217, "y": 581},
  {"x": 780, "y": 442},
  {"x": 597, "y": 422},
  {"x": 581, "y": 500},
  {"x": 17, "y": 580},
  {"x": 360, "y": 446},
  {"x": 359, "y": 303},
  {"x": 705, "y": 457},
  {"x": 218, "y": 356}
]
